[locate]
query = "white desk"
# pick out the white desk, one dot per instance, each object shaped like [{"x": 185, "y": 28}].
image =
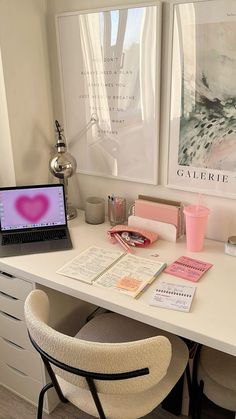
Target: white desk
[{"x": 213, "y": 312}]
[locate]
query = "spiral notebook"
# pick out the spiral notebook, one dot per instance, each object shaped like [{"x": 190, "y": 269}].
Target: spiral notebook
[
  {"x": 173, "y": 296},
  {"x": 110, "y": 268}
]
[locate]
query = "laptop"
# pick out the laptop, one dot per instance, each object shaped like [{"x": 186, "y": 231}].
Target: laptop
[{"x": 33, "y": 220}]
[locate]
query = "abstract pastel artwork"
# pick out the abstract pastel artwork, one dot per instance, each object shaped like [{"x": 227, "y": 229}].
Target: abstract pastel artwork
[{"x": 203, "y": 98}]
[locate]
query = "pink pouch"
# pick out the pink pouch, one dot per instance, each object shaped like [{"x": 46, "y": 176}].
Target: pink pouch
[{"x": 148, "y": 236}]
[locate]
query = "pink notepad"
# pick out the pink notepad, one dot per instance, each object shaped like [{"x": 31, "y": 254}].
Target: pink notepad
[{"x": 188, "y": 268}]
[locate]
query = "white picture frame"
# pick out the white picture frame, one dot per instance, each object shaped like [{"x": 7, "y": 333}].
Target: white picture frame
[
  {"x": 109, "y": 61},
  {"x": 200, "y": 116}
]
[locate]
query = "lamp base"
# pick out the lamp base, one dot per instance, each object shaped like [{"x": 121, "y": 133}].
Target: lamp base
[{"x": 71, "y": 213}]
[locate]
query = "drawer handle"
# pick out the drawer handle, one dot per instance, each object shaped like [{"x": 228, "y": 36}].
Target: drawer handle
[
  {"x": 16, "y": 370},
  {"x": 15, "y": 345},
  {"x": 8, "y": 296},
  {"x": 9, "y": 316},
  {"x": 6, "y": 274}
]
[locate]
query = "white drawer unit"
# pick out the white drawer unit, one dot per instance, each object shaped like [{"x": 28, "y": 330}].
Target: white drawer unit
[
  {"x": 24, "y": 360},
  {"x": 12, "y": 306},
  {"x": 14, "y": 330},
  {"x": 21, "y": 368},
  {"x": 13, "y": 292},
  {"x": 19, "y": 382},
  {"x": 14, "y": 287}
]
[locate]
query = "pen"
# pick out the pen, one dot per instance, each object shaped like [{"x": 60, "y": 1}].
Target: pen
[
  {"x": 146, "y": 286},
  {"x": 150, "y": 281},
  {"x": 122, "y": 242}
]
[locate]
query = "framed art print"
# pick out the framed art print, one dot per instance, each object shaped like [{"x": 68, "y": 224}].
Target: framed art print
[
  {"x": 202, "y": 106},
  {"x": 109, "y": 63}
]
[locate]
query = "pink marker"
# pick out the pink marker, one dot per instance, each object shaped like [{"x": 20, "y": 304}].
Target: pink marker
[{"x": 122, "y": 242}]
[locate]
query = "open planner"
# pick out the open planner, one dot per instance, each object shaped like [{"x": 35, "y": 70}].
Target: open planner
[{"x": 113, "y": 269}]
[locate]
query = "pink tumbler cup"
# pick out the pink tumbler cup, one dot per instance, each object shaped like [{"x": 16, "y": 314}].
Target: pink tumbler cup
[{"x": 196, "y": 219}]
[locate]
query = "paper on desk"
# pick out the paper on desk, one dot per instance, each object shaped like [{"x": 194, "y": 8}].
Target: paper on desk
[{"x": 173, "y": 296}]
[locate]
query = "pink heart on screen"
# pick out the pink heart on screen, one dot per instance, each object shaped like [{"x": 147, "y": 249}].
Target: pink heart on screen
[{"x": 32, "y": 209}]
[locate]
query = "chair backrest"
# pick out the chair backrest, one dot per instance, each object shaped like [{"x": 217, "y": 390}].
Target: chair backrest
[{"x": 153, "y": 353}]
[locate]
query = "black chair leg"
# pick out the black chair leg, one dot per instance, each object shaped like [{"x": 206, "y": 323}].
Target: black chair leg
[
  {"x": 191, "y": 393},
  {"x": 196, "y": 391},
  {"x": 54, "y": 380},
  {"x": 41, "y": 398},
  {"x": 199, "y": 399},
  {"x": 96, "y": 399}
]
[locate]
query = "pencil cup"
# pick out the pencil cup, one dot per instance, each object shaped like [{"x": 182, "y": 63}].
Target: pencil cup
[
  {"x": 94, "y": 210},
  {"x": 196, "y": 219},
  {"x": 116, "y": 210}
]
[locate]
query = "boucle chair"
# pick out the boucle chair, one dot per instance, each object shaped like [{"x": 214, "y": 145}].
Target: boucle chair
[
  {"x": 214, "y": 376},
  {"x": 115, "y": 367}
]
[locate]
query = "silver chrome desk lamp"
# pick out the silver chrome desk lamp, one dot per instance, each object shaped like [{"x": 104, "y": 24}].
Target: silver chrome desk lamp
[{"x": 63, "y": 165}]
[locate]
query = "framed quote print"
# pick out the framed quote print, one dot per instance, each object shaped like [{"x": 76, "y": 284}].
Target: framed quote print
[
  {"x": 202, "y": 105},
  {"x": 109, "y": 63}
]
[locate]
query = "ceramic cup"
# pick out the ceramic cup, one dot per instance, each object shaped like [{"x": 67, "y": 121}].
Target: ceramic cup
[{"x": 94, "y": 210}]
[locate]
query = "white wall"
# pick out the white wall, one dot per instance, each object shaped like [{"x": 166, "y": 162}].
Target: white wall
[
  {"x": 222, "y": 220},
  {"x": 7, "y": 171},
  {"x": 26, "y": 73},
  {"x": 28, "y": 90}
]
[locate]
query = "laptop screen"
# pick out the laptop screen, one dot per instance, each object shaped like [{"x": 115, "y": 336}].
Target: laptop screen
[{"x": 30, "y": 207}]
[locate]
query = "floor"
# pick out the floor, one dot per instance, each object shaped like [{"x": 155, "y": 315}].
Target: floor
[{"x": 13, "y": 407}]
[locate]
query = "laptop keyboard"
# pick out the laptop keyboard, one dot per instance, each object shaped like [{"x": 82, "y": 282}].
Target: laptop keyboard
[{"x": 37, "y": 236}]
